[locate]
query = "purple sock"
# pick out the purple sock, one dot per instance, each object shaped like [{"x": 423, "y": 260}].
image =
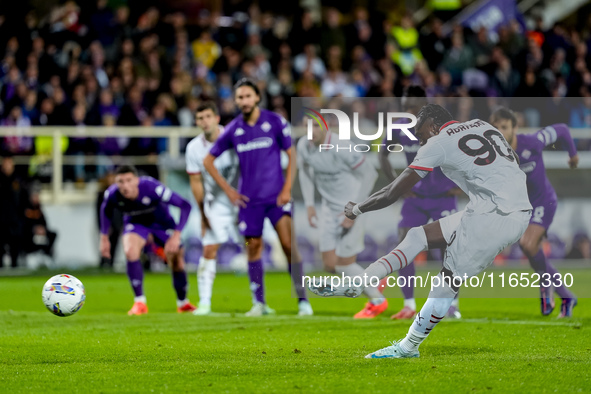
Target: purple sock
[
  {"x": 540, "y": 265},
  {"x": 296, "y": 271},
  {"x": 255, "y": 276},
  {"x": 179, "y": 281},
  {"x": 135, "y": 273},
  {"x": 407, "y": 291},
  {"x": 561, "y": 290}
]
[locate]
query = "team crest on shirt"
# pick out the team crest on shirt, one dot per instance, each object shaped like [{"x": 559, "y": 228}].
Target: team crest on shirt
[
  {"x": 266, "y": 127},
  {"x": 146, "y": 200},
  {"x": 526, "y": 154},
  {"x": 239, "y": 131}
]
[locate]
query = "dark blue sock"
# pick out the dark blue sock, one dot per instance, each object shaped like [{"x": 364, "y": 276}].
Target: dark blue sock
[
  {"x": 179, "y": 280},
  {"x": 135, "y": 273},
  {"x": 296, "y": 271}
]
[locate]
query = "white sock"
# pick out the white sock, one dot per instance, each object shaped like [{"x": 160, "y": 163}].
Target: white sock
[
  {"x": 411, "y": 303},
  {"x": 430, "y": 315},
  {"x": 141, "y": 298},
  {"x": 413, "y": 244},
  {"x": 355, "y": 269},
  {"x": 456, "y": 302},
  {"x": 205, "y": 277},
  {"x": 180, "y": 303}
]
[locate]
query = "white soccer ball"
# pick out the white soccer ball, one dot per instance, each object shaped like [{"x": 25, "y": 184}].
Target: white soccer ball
[{"x": 63, "y": 295}]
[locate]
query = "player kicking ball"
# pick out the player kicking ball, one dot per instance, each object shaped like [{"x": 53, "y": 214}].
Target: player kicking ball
[
  {"x": 218, "y": 215},
  {"x": 144, "y": 202},
  {"x": 543, "y": 198},
  {"x": 338, "y": 177},
  {"x": 432, "y": 198},
  {"x": 258, "y": 136},
  {"x": 479, "y": 160}
]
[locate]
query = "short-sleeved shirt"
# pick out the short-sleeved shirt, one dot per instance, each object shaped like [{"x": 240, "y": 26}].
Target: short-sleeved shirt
[
  {"x": 479, "y": 160},
  {"x": 149, "y": 208},
  {"x": 332, "y": 170},
  {"x": 226, "y": 164},
  {"x": 259, "y": 154},
  {"x": 433, "y": 185},
  {"x": 529, "y": 149}
]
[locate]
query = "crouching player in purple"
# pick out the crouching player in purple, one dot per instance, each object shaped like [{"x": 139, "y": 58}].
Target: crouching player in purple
[
  {"x": 144, "y": 202},
  {"x": 542, "y": 197},
  {"x": 434, "y": 197},
  {"x": 258, "y": 136}
]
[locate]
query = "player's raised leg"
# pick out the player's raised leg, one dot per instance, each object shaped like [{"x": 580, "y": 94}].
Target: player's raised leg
[
  {"x": 283, "y": 226},
  {"x": 414, "y": 243},
  {"x": 409, "y": 309},
  {"x": 133, "y": 244},
  {"x": 377, "y": 303}
]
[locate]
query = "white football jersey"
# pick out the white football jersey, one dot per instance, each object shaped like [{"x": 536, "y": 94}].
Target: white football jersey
[
  {"x": 479, "y": 160},
  {"x": 226, "y": 164},
  {"x": 331, "y": 170}
]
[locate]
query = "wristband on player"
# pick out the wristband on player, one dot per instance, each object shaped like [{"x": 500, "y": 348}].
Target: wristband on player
[{"x": 356, "y": 211}]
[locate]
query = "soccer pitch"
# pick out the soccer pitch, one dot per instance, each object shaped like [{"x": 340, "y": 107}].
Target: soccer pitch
[{"x": 501, "y": 345}]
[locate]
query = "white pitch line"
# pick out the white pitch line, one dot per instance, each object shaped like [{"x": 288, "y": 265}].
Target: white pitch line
[{"x": 350, "y": 319}]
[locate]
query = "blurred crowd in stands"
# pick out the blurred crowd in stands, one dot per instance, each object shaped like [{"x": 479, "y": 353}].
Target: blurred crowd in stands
[{"x": 132, "y": 65}]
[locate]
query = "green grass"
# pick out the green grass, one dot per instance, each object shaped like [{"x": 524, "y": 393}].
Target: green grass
[{"x": 502, "y": 345}]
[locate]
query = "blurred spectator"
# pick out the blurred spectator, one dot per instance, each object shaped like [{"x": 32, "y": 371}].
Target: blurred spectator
[
  {"x": 407, "y": 52},
  {"x": 309, "y": 61},
  {"x": 13, "y": 198}
]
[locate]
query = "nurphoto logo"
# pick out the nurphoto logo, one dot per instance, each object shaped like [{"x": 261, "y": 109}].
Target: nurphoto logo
[{"x": 392, "y": 123}]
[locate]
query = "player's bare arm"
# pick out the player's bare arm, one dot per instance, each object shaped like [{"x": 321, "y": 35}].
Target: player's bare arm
[
  {"x": 235, "y": 197},
  {"x": 386, "y": 166},
  {"x": 196, "y": 181},
  {"x": 285, "y": 194},
  {"x": 386, "y": 196}
]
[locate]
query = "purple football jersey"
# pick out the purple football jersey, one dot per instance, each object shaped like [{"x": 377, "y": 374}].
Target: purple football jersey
[
  {"x": 529, "y": 149},
  {"x": 259, "y": 153},
  {"x": 149, "y": 209},
  {"x": 433, "y": 185}
]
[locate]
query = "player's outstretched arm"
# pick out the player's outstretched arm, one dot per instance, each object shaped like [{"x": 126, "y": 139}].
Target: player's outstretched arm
[
  {"x": 387, "y": 195},
  {"x": 196, "y": 182},
  {"x": 560, "y": 133},
  {"x": 173, "y": 243},
  {"x": 285, "y": 194},
  {"x": 105, "y": 225},
  {"x": 235, "y": 197},
  {"x": 386, "y": 166}
]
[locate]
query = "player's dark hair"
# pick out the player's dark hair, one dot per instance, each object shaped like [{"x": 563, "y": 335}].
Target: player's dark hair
[
  {"x": 204, "y": 106},
  {"x": 414, "y": 91},
  {"x": 503, "y": 113},
  {"x": 247, "y": 82},
  {"x": 437, "y": 113},
  {"x": 126, "y": 169}
]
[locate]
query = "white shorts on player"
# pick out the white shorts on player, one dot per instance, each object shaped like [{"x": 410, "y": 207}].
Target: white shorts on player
[
  {"x": 333, "y": 236},
  {"x": 475, "y": 239},
  {"x": 223, "y": 222}
]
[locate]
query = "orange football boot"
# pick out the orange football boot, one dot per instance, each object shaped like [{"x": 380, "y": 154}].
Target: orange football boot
[
  {"x": 370, "y": 310},
  {"x": 138, "y": 308},
  {"x": 405, "y": 313},
  {"x": 188, "y": 307}
]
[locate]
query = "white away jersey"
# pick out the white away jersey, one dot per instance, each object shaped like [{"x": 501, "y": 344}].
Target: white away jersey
[
  {"x": 331, "y": 170},
  {"x": 226, "y": 164},
  {"x": 479, "y": 160}
]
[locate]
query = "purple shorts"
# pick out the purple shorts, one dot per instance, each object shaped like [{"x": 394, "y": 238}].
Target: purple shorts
[
  {"x": 159, "y": 234},
  {"x": 416, "y": 211},
  {"x": 543, "y": 213},
  {"x": 252, "y": 218}
]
